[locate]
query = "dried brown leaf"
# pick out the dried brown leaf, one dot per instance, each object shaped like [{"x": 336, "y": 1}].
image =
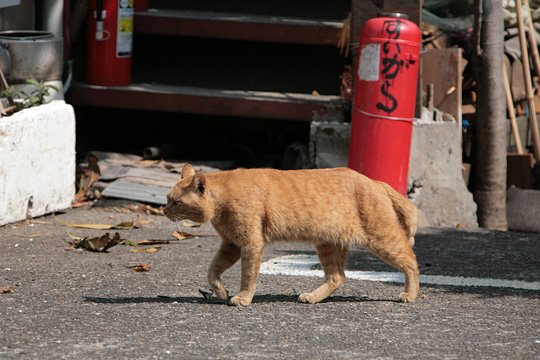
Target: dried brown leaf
[
  {"x": 207, "y": 294},
  {"x": 180, "y": 235},
  {"x": 142, "y": 209},
  {"x": 38, "y": 222},
  {"x": 7, "y": 290},
  {"x": 141, "y": 222},
  {"x": 141, "y": 267},
  {"x": 126, "y": 225},
  {"x": 147, "y": 250},
  {"x": 156, "y": 242},
  {"x": 87, "y": 175},
  {"x": 98, "y": 244}
]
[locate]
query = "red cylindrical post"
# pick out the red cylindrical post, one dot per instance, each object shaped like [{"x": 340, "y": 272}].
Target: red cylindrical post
[
  {"x": 109, "y": 42},
  {"x": 384, "y": 99}
]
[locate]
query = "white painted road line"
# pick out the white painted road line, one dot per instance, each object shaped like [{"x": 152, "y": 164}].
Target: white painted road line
[{"x": 301, "y": 265}]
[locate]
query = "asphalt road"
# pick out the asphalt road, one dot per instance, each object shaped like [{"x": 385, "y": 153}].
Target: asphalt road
[{"x": 70, "y": 304}]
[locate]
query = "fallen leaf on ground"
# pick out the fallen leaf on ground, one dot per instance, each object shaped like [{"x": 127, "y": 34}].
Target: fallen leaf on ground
[
  {"x": 156, "y": 242},
  {"x": 87, "y": 176},
  {"x": 7, "y": 290},
  {"x": 177, "y": 235},
  {"x": 130, "y": 242},
  {"x": 98, "y": 244},
  {"x": 140, "y": 222},
  {"x": 126, "y": 225},
  {"x": 74, "y": 237},
  {"x": 180, "y": 235},
  {"x": 189, "y": 223},
  {"x": 141, "y": 267},
  {"x": 207, "y": 294},
  {"x": 147, "y": 250},
  {"x": 39, "y": 222},
  {"x": 141, "y": 208},
  {"x": 78, "y": 204}
]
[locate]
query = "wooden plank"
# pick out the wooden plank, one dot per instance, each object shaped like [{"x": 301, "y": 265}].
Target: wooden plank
[
  {"x": 442, "y": 68},
  {"x": 250, "y": 104},
  {"x": 519, "y": 170},
  {"x": 237, "y": 27}
]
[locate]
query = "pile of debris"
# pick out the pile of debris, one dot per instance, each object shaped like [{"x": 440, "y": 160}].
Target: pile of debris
[
  {"x": 450, "y": 23},
  {"x": 126, "y": 176}
]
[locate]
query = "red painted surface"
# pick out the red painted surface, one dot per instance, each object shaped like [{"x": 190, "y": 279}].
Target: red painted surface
[
  {"x": 109, "y": 59},
  {"x": 384, "y": 100}
]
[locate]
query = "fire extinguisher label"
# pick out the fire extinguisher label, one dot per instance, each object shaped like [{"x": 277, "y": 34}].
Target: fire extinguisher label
[
  {"x": 368, "y": 69},
  {"x": 124, "y": 40}
]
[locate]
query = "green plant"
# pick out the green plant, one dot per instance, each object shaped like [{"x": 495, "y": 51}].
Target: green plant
[
  {"x": 37, "y": 96},
  {"x": 8, "y": 93},
  {"x": 21, "y": 100}
]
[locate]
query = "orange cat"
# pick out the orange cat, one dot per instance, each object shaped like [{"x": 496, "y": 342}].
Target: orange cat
[{"x": 333, "y": 209}]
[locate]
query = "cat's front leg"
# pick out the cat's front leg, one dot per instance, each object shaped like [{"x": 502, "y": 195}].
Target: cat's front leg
[
  {"x": 225, "y": 257},
  {"x": 251, "y": 255}
]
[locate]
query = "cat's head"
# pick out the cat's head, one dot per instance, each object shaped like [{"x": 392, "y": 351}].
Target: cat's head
[{"x": 189, "y": 198}]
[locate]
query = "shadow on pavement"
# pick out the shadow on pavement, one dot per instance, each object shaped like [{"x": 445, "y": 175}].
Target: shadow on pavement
[{"x": 261, "y": 299}]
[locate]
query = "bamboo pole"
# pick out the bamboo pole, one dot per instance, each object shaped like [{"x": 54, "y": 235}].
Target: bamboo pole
[
  {"x": 512, "y": 113},
  {"x": 532, "y": 40},
  {"x": 528, "y": 82}
]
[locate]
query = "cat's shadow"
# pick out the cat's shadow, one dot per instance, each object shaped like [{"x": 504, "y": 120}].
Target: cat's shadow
[{"x": 261, "y": 299}]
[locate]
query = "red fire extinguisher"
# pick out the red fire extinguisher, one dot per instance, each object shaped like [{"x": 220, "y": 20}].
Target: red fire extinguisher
[
  {"x": 384, "y": 99},
  {"x": 109, "y": 42}
]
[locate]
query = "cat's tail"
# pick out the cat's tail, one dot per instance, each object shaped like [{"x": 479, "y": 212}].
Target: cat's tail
[{"x": 405, "y": 211}]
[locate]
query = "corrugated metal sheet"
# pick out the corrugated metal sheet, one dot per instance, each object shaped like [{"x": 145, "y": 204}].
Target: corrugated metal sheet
[{"x": 148, "y": 193}]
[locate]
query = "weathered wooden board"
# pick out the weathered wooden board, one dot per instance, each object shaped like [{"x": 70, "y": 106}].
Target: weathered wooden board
[
  {"x": 519, "y": 170},
  {"x": 443, "y": 69}
]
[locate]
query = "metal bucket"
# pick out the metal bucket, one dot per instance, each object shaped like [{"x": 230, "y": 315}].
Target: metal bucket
[{"x": 30, "y": 54}]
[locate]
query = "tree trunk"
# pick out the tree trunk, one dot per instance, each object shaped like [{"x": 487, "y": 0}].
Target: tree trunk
[{"x": 490, "y": 184}]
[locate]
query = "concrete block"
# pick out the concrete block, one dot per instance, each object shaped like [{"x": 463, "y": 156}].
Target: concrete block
[
  {"x": 436, "y": 183},
  {"x": 37, "y": 152},
  {"x": 329, "y": 144},
  {"x": 523, "y": 209}
]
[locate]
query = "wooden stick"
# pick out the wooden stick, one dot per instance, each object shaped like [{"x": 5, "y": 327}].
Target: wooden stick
[
  {"x": 430, "y": 95},
  {"x": 528, "y": 82},
  {"x": 532, "y": 40},
  {"x": 512, "y": 112}
]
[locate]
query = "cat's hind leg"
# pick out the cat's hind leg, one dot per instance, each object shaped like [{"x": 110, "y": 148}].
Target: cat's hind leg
[
  {"x": 226, "y": 256},
  {"x": 396, "y": 250},
  {"x": 333, "y": 259}
]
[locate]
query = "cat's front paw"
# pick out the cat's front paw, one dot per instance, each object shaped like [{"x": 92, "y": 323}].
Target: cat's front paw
[
  {"x": 406, "y": 297},
  {"x": 239, "y": 301},
  {"x": 307, "y": 298},
  {"x": 221, "y": 292}
]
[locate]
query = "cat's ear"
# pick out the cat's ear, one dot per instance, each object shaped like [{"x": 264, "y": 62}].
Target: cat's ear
[
  {"x": 187, "y": 171},
  {"x": 200, "y": 182}
]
